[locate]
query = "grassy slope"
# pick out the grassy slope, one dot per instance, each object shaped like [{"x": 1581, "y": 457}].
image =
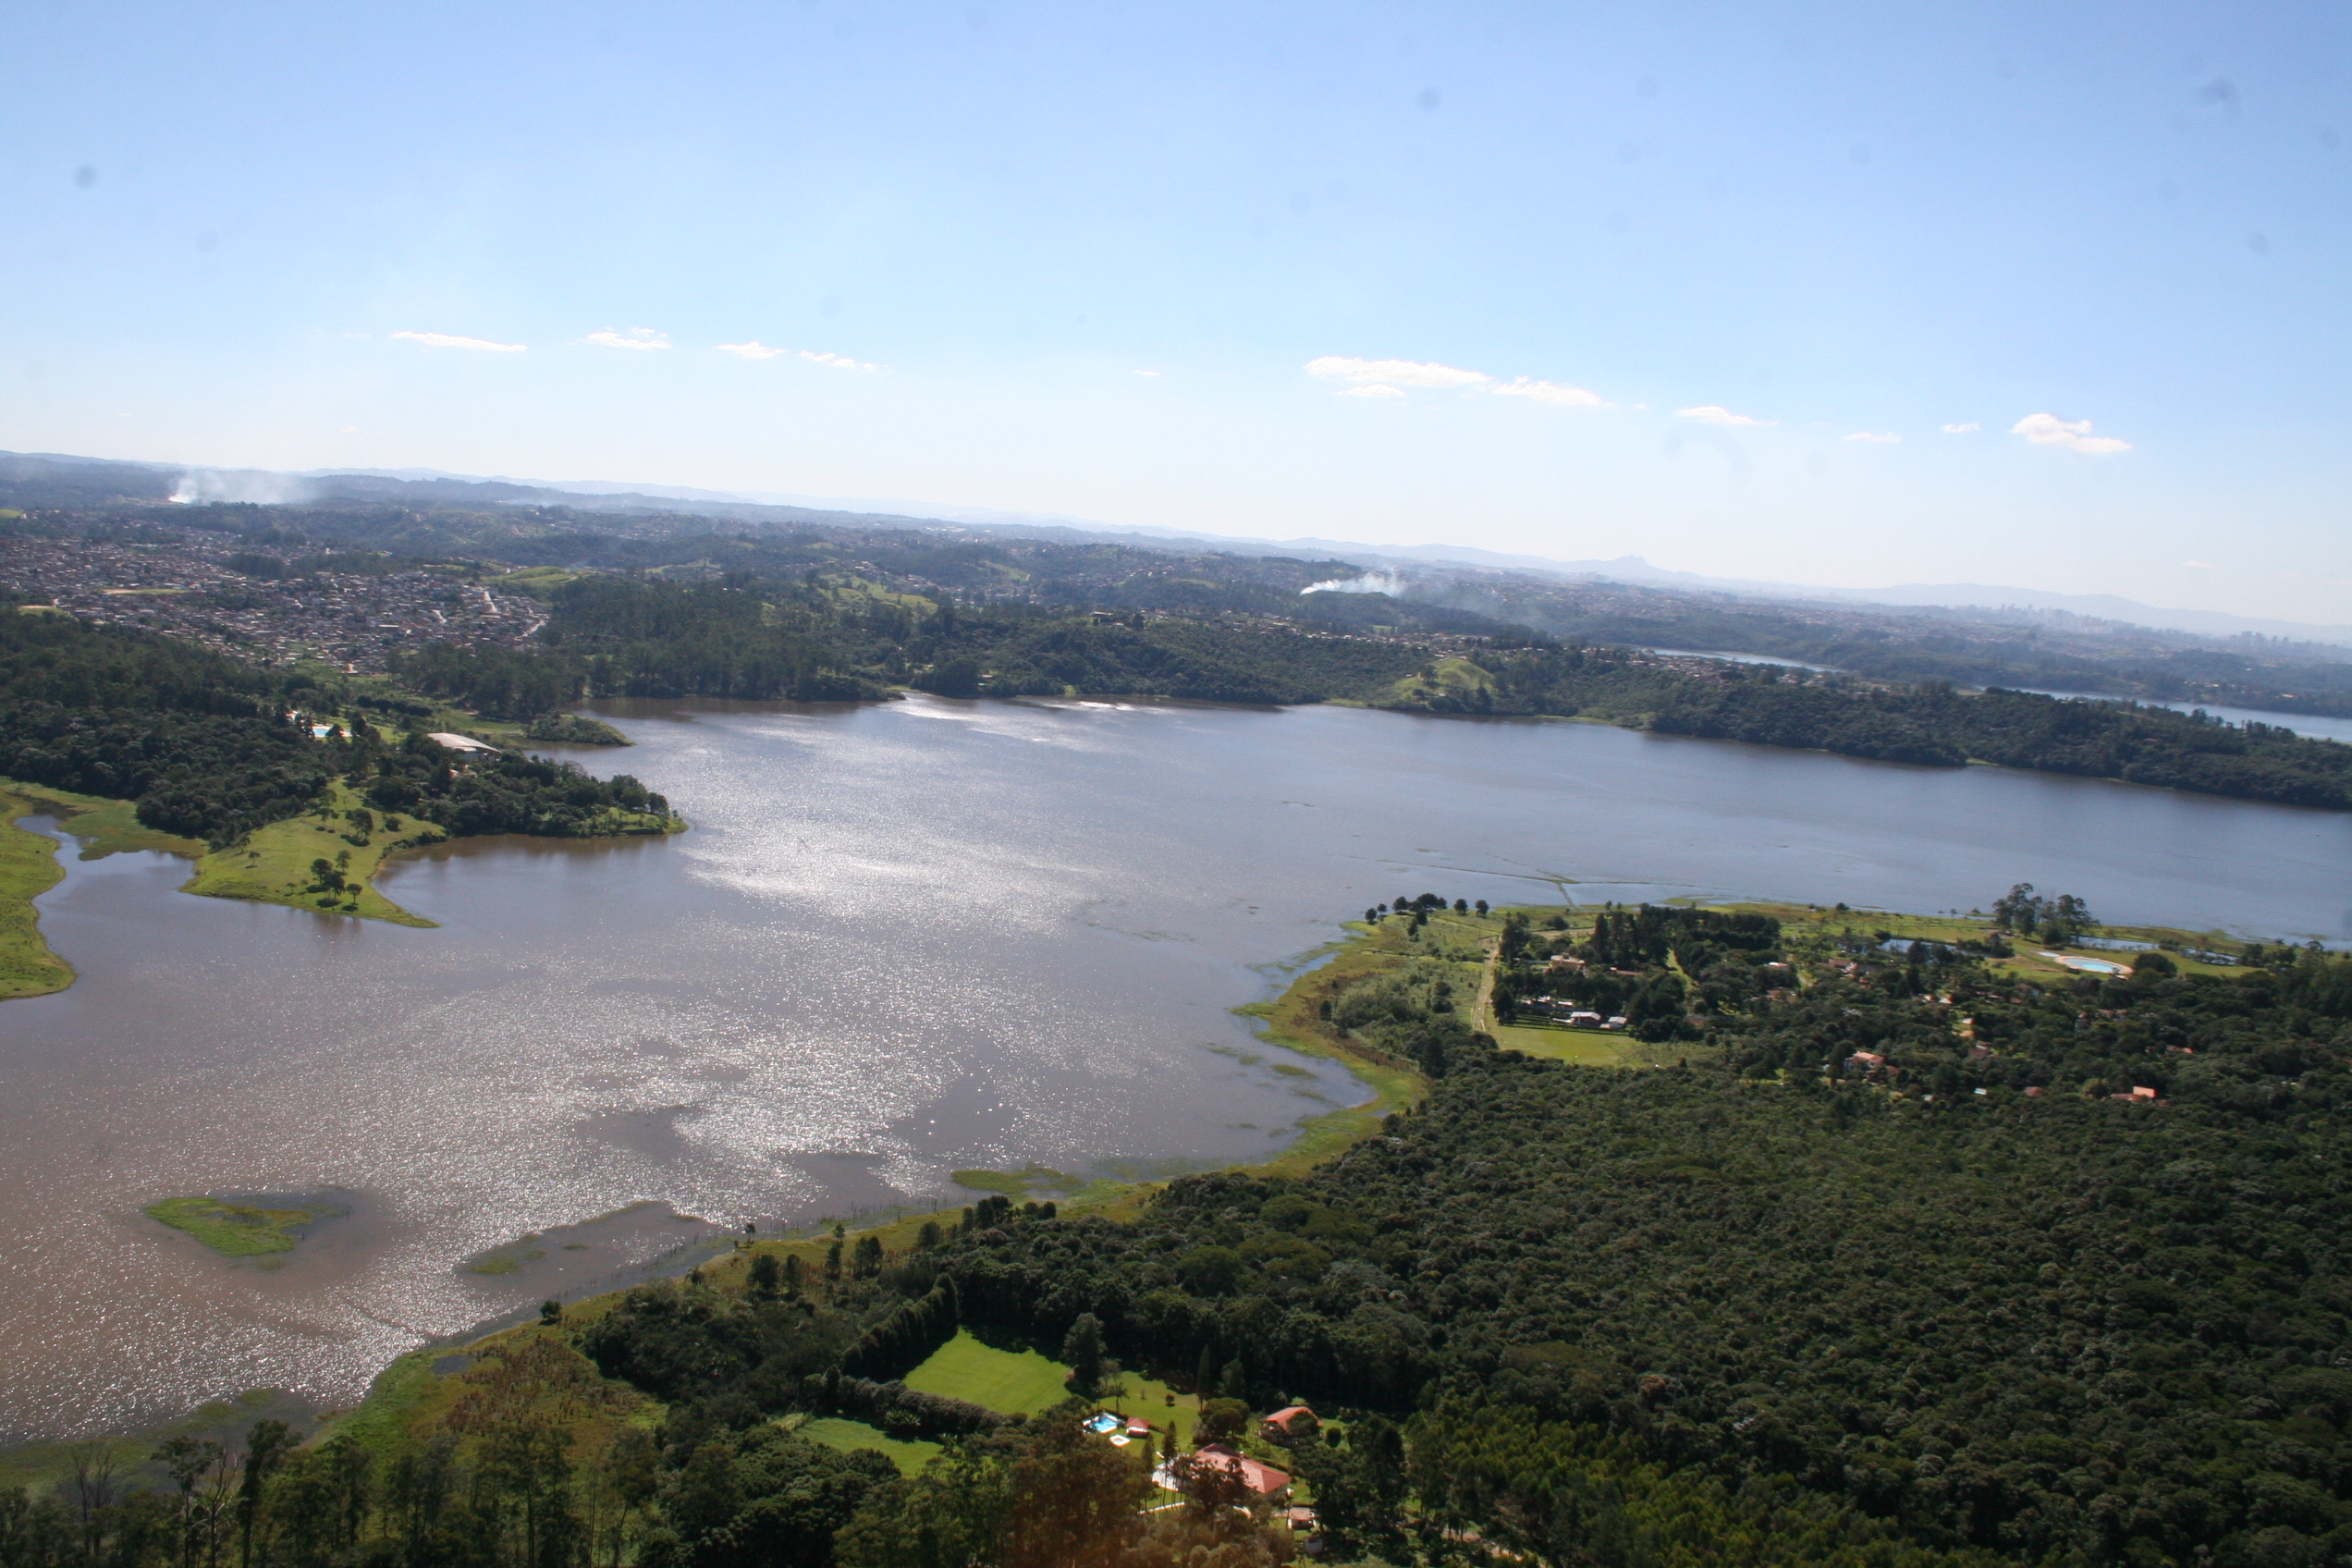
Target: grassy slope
[
  {"x": 29, "y": 868},
  {"x": 273, "y": 864},
  {"x": 909, "y": 1455}
]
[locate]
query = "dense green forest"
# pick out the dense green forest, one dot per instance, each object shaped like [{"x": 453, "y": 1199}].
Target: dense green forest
[
  {"x": 1930, "y": 725},
  {"x": 211, "y": 748}
]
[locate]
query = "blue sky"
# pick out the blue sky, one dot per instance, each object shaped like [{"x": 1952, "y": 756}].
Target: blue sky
[{"x": 1079, "y": 259}]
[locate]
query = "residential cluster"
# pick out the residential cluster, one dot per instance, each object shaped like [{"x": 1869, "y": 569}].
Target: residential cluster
[
  {"x": 181, "y": 582},
  {"x": 1222, "y": 1465}
]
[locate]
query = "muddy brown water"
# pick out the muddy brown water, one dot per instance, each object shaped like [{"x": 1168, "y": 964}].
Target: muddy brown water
[{"x": 900, "y": 940}]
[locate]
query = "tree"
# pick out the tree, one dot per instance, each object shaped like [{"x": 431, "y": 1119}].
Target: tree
[
  {"x": 1481, "y": 907},
  {"x": 188, "y": 1461},
  {"x": 551, "y": 1313},
  {"x": 265, "y": 1449},
  {"x": 2066, "y": 918},
  {"x": 1075, "y": 1499},
  {"x": 2019, "y": 909},
  {"x": 1222, "y": 1420},
  {"x": 765, "y": 1274},
  {"x": 1083, "y": 1349},
  {"x": 626, "y": 1477}
]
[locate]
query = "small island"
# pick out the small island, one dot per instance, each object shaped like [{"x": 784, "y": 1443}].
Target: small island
[{"x": 253, "y": 1226}]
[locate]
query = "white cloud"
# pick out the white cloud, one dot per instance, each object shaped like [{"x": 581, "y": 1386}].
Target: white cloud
[
  {"x": 1371, "y": 390},
  {"x": 1393, "y": 373},
  {"x": 1150, "y": 373},
  {"x": 2200, "y": 565},
  {"x": 1868, "y": 435},
  {"x": 1551, "y": 392},
  {"x": 754, "y": 349},
  {"x": 635, "y": 338},
  {"x": 1715, "y": 414},
  {"x": 2048, "y": 430},
  {"x": 450, "y": 340},
  {"x": 1962, "y": 429},
  {"x": 839, "y": 361}
]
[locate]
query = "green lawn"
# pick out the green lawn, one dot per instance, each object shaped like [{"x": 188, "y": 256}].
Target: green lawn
[
  {"x": 1556, "y": 1042},
  {"x": 833, "y": 1432},
  {"x": 1021, "y": 1383},
  {"x": 1017, "y": 1384}
]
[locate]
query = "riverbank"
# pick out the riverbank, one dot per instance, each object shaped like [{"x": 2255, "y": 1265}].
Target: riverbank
[
  {"x": 323, "y": 861},
  {"x": 29, "y": 868}
]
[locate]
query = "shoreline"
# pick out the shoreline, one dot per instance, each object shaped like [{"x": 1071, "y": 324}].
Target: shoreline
[
  {"x": 1289, "y": 1020},
  {"x": 268, "y": 865},
  {"x": 1283, "y": 1020}
]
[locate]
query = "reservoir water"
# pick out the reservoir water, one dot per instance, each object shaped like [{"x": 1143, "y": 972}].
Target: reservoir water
[{"x": 900, "y": 940}]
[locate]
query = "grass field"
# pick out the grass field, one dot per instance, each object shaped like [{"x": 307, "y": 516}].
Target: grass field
[
  {"x": 235, "y": 1230},
  {"x": 273, "y": 864},
  {"x": 1015, "y": 1383},
  {"x": 1556, "y": 1042},
  {"x": 1024, "y": 1382},
  {"x": 909, "y": 1455}
]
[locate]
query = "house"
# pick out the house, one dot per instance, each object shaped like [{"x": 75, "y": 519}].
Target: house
[
  {"x": 454, "y": 742},
  {"x": 1292, "y": 1423},
  {"x": 1584, "y": 1020},
  {"x": 1263, "y": 1480}
]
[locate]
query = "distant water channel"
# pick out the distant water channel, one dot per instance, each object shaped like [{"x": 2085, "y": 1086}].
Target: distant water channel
[{"x": 900, "y": 940}]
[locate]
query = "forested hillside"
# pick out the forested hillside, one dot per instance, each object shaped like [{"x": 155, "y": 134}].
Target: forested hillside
[
  {"x": 211, "y": 748},
  {"x": 1930, "y": 725}
]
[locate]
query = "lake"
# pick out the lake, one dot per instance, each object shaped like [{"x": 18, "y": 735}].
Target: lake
[{"x": 900, "y": 940}]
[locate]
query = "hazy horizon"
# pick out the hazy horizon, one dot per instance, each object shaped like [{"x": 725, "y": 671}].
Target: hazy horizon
[{"x": 1793, "y": 295}]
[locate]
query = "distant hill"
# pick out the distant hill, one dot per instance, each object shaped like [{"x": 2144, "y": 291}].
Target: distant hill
[{"x": 49, "y": 479}]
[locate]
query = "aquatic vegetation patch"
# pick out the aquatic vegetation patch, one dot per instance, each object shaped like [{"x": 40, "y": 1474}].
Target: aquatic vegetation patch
[
  {"x": 1019, "y": 1183},
  {"x": 249, "y": 1229},
  {"x": 509, "y": 1258}
]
